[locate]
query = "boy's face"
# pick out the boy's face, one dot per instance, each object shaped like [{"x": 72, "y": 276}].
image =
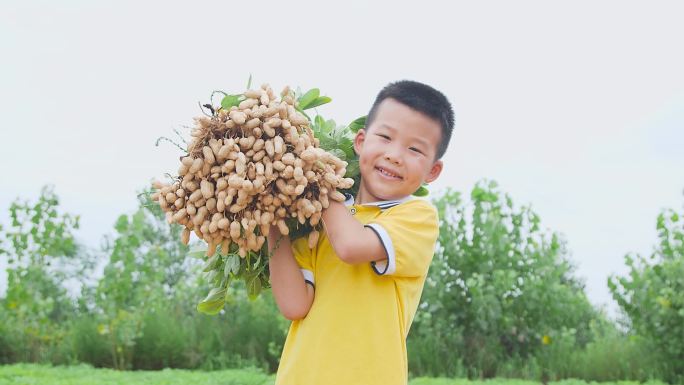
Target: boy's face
[{"x": 397, "y": 152}]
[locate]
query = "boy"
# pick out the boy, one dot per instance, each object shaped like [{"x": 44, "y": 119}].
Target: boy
[{"x": 353, "y": 297}]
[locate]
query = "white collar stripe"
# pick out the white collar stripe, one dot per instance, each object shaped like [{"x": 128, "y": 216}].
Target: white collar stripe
[{"x": 379, "y": 204}]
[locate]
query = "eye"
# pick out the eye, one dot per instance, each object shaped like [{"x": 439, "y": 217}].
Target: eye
[
  {"x": 383, "y": 136},
  {"x": 415, "y": 150}
]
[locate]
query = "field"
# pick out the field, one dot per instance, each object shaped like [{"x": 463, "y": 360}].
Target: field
[{"x": 26, "y": 374}]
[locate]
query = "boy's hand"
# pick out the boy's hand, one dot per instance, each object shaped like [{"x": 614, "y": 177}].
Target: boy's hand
[{"x": 353, "y": 243}]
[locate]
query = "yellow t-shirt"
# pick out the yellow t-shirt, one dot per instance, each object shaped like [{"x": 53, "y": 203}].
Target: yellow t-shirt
[{"x": 355, "y": 332}]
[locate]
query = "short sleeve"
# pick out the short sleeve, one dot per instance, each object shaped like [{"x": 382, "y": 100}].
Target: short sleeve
[
  {"x": 408, "y": 233},
  {"x": 304, "y": 256}
]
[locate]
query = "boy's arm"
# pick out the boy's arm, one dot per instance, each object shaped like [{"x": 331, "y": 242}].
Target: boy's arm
[
  {"x": 353, "y": 243},
  {"x": 291, "y": 293}
]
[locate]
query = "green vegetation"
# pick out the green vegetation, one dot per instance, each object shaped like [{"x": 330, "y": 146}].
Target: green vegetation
[
  {"x": 652, "y": 295},
  {"x": 501, "y": 300},
  {"x": 20, "y": 374},
  {"x": 500, "y": 286},
  {"x": 86, "y": 375}
]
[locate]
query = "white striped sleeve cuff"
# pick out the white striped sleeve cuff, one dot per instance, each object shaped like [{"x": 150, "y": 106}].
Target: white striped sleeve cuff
[
  {"x": 308, "y": 276},
  {"x": 389, "y": 265}
]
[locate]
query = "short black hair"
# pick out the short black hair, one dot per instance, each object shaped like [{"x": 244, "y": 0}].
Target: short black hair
[{"x": 424, "y": 99}]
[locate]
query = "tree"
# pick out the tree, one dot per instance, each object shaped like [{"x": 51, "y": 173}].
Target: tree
[
  {"x": 499, "y": 287},
  {"x": 651, "y": 295},
  {"x": 147, "y": 266},
  {"x": 41, "y": 254}
]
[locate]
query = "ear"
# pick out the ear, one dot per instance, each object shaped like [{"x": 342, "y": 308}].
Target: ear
[
  {"x": 435, "y": 170},
  {"x": 358, "y": 140}
]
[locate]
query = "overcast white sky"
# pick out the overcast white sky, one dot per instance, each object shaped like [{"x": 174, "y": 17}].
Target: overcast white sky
[{"x": 574, "y": 107}]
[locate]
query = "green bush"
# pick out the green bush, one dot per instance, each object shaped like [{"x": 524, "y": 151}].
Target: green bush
[
  {"x": 10, "y": 340},
  {"x": 432, "y": 350},
  {"x": 89, "y": 345},
  {"x": 651, "y": 295},
  {"x": 616, "y": 356},
  {"x": 498, "y": 289},
  {"x": 252, "y": 330},
  {"x": 248, "y": 333},
  {"x": 41, "y": 254},
  {"x": 164, "y": 340}
]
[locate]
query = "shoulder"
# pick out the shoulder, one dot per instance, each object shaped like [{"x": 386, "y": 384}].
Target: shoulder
[
  {"x": 413, "y": 206},
  {"x": 414, "y": 214}
]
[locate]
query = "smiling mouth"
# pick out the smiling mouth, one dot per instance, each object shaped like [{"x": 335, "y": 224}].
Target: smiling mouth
[{"x": 388, "y": 174}]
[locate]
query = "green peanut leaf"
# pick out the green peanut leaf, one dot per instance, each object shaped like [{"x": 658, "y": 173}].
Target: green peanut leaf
[
  {"x": 209, "y": 266},
  {"x": 253, "y": 287},
  {"x": 213, "y": 303},
  {"x": 338, "y": 153},
  {"x": 347, "y": 145},
  {"x": 327, "y": 143},
  {"x": 330, "y": 125},
  {"x": 318, "y": 102},
  {"x": 421, "y": 192},
  {"x": 230, "y": 101},
  {"x": 198, "y": 252},
  {"x": 308, "y": 98},
  {"x": 319, "y": 124},
  {"x": 357, "y": 124},
  {"x": 352, "y": 168},
  {"x": 233, "y": 263}
]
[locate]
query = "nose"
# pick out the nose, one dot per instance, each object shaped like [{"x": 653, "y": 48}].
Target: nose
[{"x": 393, "y": 155}]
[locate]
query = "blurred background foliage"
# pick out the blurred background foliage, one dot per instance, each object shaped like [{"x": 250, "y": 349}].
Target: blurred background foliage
[{"x": 501, "y": 299}]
